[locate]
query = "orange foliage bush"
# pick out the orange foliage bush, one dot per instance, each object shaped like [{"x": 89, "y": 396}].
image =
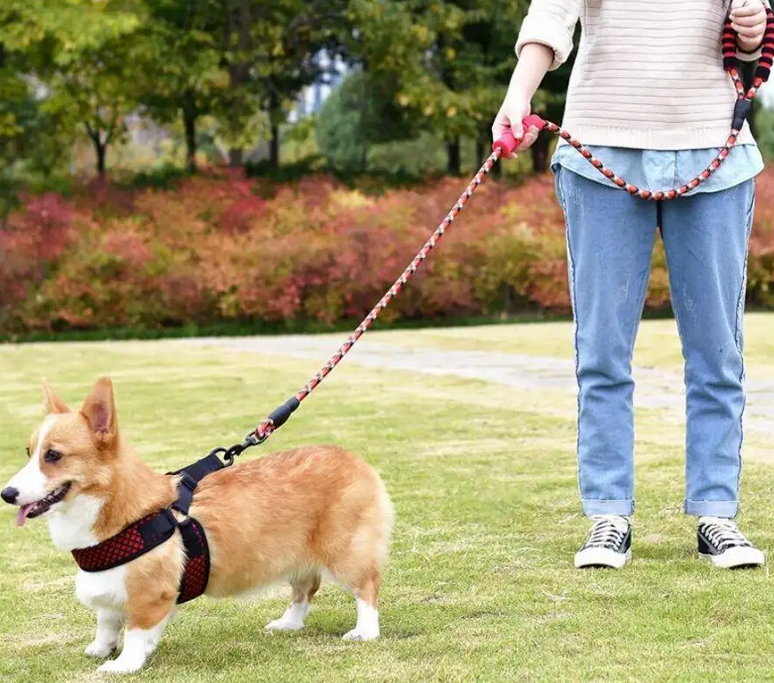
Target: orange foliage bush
[{"x": 218, "y": 248}]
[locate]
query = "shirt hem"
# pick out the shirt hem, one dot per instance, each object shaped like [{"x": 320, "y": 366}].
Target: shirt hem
[{"x": 669, "y": 140}]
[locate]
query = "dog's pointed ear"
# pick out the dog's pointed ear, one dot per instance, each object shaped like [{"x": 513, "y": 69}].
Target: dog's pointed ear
[
  {"x": 51, "y": 402},
  {"x": 99, "y": 409}
]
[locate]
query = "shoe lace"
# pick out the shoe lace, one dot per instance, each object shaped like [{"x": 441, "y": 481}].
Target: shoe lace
[
  {"x": 607, "y": 532},
  {"x": 723, "y": 533}
]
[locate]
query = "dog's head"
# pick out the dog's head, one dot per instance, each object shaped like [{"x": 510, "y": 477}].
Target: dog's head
[{"x": 71, "y": 453}]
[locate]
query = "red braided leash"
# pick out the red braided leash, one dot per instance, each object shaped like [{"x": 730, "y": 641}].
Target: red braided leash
[
  {"x": 504, "y": 147},
  {"x": 264, "y": 430}
]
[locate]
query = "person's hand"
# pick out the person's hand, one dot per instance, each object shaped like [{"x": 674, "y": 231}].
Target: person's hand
[
  {"x": 748, "y": 18},
  {"x": 533, "y": 63},
  {"x": 514, "y": 109}
]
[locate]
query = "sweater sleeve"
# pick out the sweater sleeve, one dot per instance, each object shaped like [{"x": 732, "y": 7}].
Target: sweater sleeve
[
  {"x": 755, "y": 54},
  {"x": 550, "y": 23}
]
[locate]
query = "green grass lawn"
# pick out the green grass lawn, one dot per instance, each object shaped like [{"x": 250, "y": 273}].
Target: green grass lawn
[{"x": 480, "y": 585}]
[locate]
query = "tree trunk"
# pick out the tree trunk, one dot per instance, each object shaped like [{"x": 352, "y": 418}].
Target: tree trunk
[
  {"x": 480, "y": 150},
  {"x": 274, "y": 143},
  {"x": 235, "y": 157},
  {"x": 365, "y": 138},
  {"x": 540, "y": 154},
  {"x": 274, "y": 148},
  {"x": 238, "y": 107},
  {"x": 240, "y": 75},
  {"x": 453, "y": 151},
  {"x": 363, "y": 156},
  {"x": 101, "y": 151},
  {"x": 189, "y": 123}
]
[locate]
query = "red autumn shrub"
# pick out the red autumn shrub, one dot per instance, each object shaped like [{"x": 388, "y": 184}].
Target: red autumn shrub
[
  {"x": 760, "y": 262},
  {"x": 32, "y": 242},
  {"x": 222, "y": 247}
]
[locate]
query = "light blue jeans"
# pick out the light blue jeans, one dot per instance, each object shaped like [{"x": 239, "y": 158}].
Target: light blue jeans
[{"x": 610, "y": 238}]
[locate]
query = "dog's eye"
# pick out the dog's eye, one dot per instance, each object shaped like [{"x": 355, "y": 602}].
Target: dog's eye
[
  {"x": 28, "y": 451},
  {"x": 52, "y": 456}
]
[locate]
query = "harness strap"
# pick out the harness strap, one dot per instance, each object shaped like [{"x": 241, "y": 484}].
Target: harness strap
[
  {"x": 197, "y": 565},
  {"x": 129, "y": 544},
  {"x": 190, "y": 477}
]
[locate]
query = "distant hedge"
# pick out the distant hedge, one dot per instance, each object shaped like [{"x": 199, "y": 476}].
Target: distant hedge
[{"x": 220, "y": 248}]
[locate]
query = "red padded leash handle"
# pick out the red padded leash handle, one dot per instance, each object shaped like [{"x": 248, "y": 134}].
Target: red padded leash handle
[
  {"x": 507, "y": 142},
  {"x": 763, "y": 70}
]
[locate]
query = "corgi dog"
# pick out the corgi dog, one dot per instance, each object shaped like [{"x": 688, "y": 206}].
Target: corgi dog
[{"x": 291, "y": 516}]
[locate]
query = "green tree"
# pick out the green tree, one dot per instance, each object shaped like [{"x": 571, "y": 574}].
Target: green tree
[
  {"x": 96, "y": 89},
  {"x": 268, "y": 50},
  {"x": 73, "y": 58},
  {"x": 361, "y": 112},
  {"x": 184, "y": 77},
  {"x": 450, "y": 58}
]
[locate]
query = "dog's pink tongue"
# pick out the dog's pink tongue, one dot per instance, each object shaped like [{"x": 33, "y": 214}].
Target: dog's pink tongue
[{"x": 21, "y": 516}]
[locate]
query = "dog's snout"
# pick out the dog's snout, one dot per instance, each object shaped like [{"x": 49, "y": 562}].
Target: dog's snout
[{"x": 9, "y": 494}]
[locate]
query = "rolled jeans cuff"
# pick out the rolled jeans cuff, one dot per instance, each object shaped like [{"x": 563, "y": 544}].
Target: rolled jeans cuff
[
  {"x": 712, "y": 508},
  {"x": 622, "y": 508}
]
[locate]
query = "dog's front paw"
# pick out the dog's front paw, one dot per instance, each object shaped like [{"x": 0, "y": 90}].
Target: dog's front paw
[
  {"x": 361, "y": 634},
  {"x": 122, "y": 665},
  {"x": 99, "y": 649},
  {"x": 283, "y": 624}
]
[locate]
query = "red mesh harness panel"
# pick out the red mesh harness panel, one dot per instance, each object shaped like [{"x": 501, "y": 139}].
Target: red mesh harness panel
[
  {"x": 197, "y": 563},
  {"x": 136, "y": 540},
  {"x": 145, "y": 535},
  {"x": 152, "y": 530}
]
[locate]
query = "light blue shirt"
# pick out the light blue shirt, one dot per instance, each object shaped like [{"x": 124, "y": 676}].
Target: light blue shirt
[{"x": 663, "y": 170}]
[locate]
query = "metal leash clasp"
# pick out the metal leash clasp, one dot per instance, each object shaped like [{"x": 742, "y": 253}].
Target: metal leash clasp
[
  {"x": 254, "y": 438},
  {"x": 230, "y": 453}
]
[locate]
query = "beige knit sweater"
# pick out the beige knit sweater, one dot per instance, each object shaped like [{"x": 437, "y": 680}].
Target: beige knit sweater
[{"x": 648, "y": 74}]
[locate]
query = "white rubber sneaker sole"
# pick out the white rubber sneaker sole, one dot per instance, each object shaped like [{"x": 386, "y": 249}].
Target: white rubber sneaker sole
[
  {"x": 737, "y": 557},
  {"x": 601, "y": 557}
]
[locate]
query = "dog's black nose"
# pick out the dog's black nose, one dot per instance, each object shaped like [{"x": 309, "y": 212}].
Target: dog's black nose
[{"x": 9, "y": 494}]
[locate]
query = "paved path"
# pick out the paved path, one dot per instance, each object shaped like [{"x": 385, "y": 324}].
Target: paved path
[{"x": 654, "y": 388}]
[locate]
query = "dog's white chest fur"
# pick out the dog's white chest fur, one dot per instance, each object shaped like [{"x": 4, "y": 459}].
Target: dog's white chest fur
[
  {"x": 102, "y": 590},
  {"x": 71, "y": 523},
  {"x": 71, "y": 527}
]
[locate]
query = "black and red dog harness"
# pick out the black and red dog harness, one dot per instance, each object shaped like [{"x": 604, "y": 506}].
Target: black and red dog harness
[{"x": 156, "y": 528}]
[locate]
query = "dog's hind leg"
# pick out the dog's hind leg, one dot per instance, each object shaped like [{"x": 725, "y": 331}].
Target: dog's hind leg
[
  {"x": 304, "y": 587},
  {"x": 366, "y": 601},
  {"x": 364, "y": 583},
  {"x": 359, "y": 568}
]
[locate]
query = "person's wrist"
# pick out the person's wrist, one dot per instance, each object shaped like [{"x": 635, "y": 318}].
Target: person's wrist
[{"x": 518, "y": 94}]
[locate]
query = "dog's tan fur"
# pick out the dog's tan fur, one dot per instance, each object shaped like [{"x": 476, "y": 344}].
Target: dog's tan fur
[{"x": 285, "y": 516}]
